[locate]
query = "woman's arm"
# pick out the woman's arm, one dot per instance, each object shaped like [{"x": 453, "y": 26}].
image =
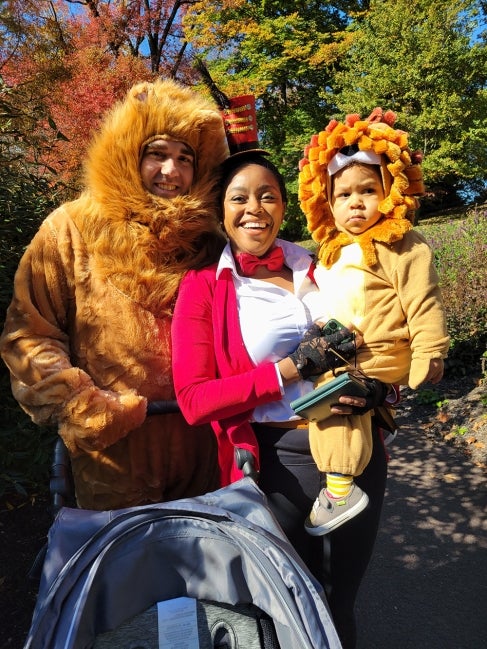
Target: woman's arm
[{"x": 203, "y": 394}]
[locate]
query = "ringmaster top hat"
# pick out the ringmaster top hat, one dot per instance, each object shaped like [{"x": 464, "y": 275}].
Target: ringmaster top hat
[{"x": 239, "y": 117}]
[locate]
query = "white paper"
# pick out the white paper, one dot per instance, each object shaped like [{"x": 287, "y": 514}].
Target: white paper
[{"x": 177, "y": 624}]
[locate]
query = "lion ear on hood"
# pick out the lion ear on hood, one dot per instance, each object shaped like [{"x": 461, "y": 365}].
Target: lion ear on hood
[{"x": 142, "y": 96}]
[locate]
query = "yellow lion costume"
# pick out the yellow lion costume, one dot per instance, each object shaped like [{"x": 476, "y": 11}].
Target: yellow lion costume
[{"x": 382, "y": 281}]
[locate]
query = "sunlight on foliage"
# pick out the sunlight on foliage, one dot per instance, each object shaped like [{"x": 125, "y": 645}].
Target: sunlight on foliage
[{"x": 460, "y": 248}]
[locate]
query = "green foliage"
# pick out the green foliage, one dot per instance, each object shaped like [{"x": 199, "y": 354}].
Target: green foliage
[
  {"x": 420, "y": 60},
  {"x": 25, "y": 449},
  {"x": 427, "y": 397},
  {"x": 460, "y": 251},
  {"x": 23, "y": 204},
  {"x": 459, "y": 431},
  {"x": 442, "y": 403}
]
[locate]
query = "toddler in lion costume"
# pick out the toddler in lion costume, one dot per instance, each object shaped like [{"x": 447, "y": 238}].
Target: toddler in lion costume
[{"x": 358, "y": 187}]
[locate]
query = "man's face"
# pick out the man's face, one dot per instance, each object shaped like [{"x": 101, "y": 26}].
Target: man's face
[{"x": 167, "y": 168}]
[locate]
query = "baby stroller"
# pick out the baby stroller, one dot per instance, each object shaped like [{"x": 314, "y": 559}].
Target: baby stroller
[{"x": 211, "y": 572}]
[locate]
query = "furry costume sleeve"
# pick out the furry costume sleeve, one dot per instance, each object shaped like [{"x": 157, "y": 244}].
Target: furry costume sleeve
[
  {"x": 36, "y": 348},
  {"x": 416, "y": 282}
]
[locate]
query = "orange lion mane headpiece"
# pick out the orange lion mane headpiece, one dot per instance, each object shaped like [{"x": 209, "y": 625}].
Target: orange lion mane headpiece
[{"x": 401, "y": 176}]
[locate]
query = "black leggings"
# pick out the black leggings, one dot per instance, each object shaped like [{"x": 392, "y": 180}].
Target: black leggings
[{"x": 291, "y": 482}]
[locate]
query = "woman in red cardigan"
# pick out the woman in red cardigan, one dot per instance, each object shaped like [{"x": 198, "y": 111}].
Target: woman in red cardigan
[{"x": 244, "y": 347}]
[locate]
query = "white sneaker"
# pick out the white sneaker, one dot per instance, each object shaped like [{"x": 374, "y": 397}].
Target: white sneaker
[{"x": 329, "y": 513}]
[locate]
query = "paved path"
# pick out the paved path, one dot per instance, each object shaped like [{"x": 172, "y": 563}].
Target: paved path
[{"x": 426, "y": 587}]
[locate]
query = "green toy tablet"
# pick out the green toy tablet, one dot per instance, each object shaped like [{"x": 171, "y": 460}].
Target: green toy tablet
[{"x": 316, "y": 405}]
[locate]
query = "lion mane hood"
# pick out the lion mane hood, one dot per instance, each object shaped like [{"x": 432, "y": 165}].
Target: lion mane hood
[
  {"x": 144, "y": 242},
  {"x": 401, "y": 176}
]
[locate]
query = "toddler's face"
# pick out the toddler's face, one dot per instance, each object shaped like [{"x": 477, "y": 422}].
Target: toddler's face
[{"x": 357, "y": 192}]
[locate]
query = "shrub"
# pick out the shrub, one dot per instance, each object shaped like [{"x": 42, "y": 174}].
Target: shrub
[
  {"x": 460, "y": 248},
  {"x": 25, "y": 449}
]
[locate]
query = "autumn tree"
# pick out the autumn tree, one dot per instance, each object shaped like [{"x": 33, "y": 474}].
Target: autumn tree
[
  {"x": 427, "y": 61},
  {"x": 27, "y": 71},
  {"x": 150, "y": 29},
  {"x": 94, "y": 81},
  {"x": 283, "y": 52},
  {"x": 79, "y": 56}
]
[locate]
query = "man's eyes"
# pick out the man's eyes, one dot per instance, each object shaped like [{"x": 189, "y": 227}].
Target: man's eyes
[
  {"x": 186, "y": 159},
  {"x": 161, "y": 156},
  {"x": 156, "y": 155}
]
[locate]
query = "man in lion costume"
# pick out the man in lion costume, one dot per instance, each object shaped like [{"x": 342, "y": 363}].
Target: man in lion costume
[{"x": 87, "y": 334}]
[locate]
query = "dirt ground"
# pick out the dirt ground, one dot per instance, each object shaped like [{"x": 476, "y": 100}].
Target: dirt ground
[
  {"x": 461, "y": 422},
  {"x": 425, "y": 587}
]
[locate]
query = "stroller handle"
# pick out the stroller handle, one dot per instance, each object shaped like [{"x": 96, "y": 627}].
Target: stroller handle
[
  {"x": 61, "y": 484},
  {"x": 162, "y": 407}
]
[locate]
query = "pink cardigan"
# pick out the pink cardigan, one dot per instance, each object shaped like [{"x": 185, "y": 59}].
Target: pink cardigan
[{"x": 214, "y": 378}]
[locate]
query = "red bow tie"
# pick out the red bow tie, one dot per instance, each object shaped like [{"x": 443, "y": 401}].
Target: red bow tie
[{"x": 273, "y": 260}]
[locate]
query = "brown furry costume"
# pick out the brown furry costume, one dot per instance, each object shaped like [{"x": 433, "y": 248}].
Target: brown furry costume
[{"x": 87, "y": 335}]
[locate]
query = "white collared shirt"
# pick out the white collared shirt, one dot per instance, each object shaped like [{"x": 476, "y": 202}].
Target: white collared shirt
[{"x": 274, "y": 320}]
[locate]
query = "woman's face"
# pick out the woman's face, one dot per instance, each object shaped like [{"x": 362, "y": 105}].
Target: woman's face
[{"x": 253, "y": 209}]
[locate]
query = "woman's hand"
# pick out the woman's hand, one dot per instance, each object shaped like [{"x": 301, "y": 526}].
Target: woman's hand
[
  {"x": 317, "y": 354},
  {"x": 348, "y": 405}
]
